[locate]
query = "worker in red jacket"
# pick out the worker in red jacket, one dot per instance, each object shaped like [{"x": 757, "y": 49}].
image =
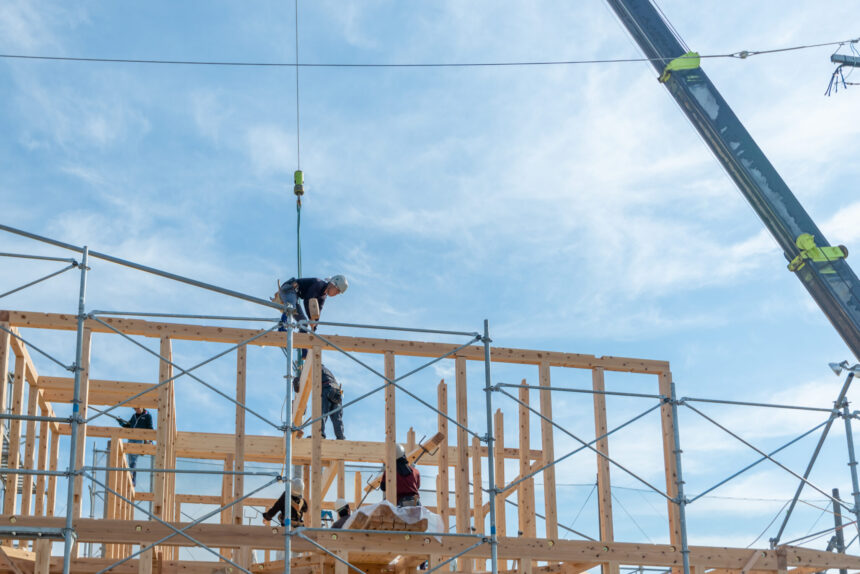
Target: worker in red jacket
[{"x": 408, "y": 481}]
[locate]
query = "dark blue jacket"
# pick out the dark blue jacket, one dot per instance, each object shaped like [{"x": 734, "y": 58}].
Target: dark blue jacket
[
  {"x": 139, "y": 421},
  {"x": 311, "y": 288}
]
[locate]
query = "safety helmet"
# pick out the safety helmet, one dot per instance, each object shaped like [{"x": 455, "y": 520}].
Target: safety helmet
[
  {"x": 297, "y": 486},
  {"x": 401, "y": 452},
  {"x": 340, "y": 282},
  {"x": 340, "y": 503}
]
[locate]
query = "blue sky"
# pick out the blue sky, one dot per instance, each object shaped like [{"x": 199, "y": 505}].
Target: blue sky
[{"x": 572, "y": 206}]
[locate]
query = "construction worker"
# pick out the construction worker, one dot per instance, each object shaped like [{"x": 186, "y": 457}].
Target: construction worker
[
  {"x": 141, "y": 419},
  {"x": 341, "y": 506},
  {"x": 408, "y": 481},
  {"x": 298, "y": 505},
  {"x": 308, "y": 290},
  {"x": 332, "y": 398}
]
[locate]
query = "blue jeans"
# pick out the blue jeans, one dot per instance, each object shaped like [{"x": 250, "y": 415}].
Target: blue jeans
[
  {"x": 332, "y": 398},
  {"x": 132, "y": 461}
]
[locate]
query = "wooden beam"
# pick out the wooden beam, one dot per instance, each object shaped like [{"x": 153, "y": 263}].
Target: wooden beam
[
  {"x": 239, "y": 458},
  {"x": 525, "y": 490},
  {"x": 101, "y": 392},
  {"x": 604, "y": 489},
  {"x": 351, "y": 344},
  {"x": 549, "y": 492},
  {"x": 390, "y": 433},
  {"x": 499, "y": 423},
  {"x": 29, "y": 451},
  {"x": 14, "y": 458},
  {"x": 667, "y": 422},
  {"x": 43, "y": 557},
  {"x": 477, "y": 497},
  {"x": 341, "y": 480},
  {"x": 444, "y": 484},
  {"x": 316, "y": 440},
  {"x": 162, "y": 431},
  {"x": 83, "y": 393},
  {"x": 577, "y": 551}
]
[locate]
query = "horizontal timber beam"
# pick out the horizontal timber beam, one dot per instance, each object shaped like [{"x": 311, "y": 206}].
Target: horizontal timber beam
[
  {"x": 101, "y": 392},
  {"x": 412, "y": 543},
  {"x": 59, "y": 321}
]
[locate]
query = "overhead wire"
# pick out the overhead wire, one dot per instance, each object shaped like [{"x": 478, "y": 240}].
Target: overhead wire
[{"x": 741, "y": 54}]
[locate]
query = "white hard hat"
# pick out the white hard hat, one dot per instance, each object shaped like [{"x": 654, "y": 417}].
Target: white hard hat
[
  {"x": 340, "y": 282},
  {"x": 297, "y": 486},
  {"x": 401, "y": 452},
  {"x": 340, "y": 503}
]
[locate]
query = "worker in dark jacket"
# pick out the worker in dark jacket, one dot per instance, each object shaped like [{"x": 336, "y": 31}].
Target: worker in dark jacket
[
  {"x": 332, "y": 398},
  {"x": 341, "y": 506},
  {"x": 308, "y": 289},
  {"x": 408, "y": 481},
  {"x": 141, "y": 419},
  {"x": 298, "y": 505}
]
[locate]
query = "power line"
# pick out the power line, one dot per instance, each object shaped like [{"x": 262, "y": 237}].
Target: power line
[{"x": 742, "y": 54}]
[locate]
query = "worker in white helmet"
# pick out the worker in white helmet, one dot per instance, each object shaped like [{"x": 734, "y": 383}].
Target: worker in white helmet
[
  {"x": 298, "y": 505},
  {"x": 313, "y": 292},
  {"x": 408, "y": 480},
  {"x": 341, "y": 506}
]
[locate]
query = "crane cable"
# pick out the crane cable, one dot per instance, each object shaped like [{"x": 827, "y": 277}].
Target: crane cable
[{"x": 298, "y": 176}]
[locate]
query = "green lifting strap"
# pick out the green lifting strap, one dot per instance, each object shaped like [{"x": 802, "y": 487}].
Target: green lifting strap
[
  {"x": 689, "y": 61},
  {"x": 809, "y": 251}
]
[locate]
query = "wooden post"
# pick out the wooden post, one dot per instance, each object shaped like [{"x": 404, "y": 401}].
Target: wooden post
[
  {"x": 160, "y": 484},
  {"x": 668, "y": 425},
  {"x": 341, "y": 480},
  {"x": 390, "y": 433},
  {"x": 43, "y": 557},
  {"x": 525, "y": 490},
  {"x": 14, "y": 459},
  {"x": 29, "y": 450},
  {"x": 461, "y": 478},
  {"x": 81, "y": 451},
  {"x": 442, "y": 498},
  {"x": 239, "y": 460},
  {"x": 356, "y": 488},
  {"x": 4, "y": 370},
  {"x": 42, "y": 463},
  {"x": 550, "y": 510},
  {"x": 477, "y": 496},
  {"x": 604, "y": 484},
  {"x": 111, "y": 501},
  {"x": 410, "y": 440},
  {"x": 316, "y": 493},
  {"x": 226, "y": 492},
  {"x": 499, "y": 460},
  {"x": 53, "y": 455}
]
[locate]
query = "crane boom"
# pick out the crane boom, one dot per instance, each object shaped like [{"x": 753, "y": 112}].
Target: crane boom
[{"x": 822, "y": 269}]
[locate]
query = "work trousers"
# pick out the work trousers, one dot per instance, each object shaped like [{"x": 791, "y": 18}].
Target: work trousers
[{"x": 332, "y": 398}]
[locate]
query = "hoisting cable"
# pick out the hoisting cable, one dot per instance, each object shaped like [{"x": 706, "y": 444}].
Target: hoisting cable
[{"x": 298, "y": 181}]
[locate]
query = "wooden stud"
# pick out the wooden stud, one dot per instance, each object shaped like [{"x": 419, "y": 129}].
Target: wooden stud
[
  {"x": 239, "y": 460},
  {"x": 356, "y": 489},
  {"x": 226, "y": 492},
  {"x": 443, "y": 497},
  {"x": 604, "y": 484},
  {"x": 84, "y": 386},
  {"x": 477, "y": 497},
  {"x": 410, "y": 440},
  {"x": 341, "y": 480},
  {"x": 29, "y": 451},
  {"x": 160, "y": 485},
  {"x": 53, "y": 456},
  {"x": 549, "y": 492},
  {"x": 42, "y": 463},
  {"x": 315, "y": 487},
  {"x": 43, "y": 556},
  {"x": 461, "y": 476},
  {"x": 390, "y": 434},
  {"x": 4, "y": 371},
  {"x": 14, "y": 458},
  {"x": 525, "y": 490},
  {"x": 668, "y": 425}
]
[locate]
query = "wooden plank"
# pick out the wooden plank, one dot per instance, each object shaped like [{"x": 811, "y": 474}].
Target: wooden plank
[
  {"x": 262, "y": 537},
  {"x": 315, "y": 486},
  {"x": 461, "y": 474},
  {"x": 351, "y": 344},
  {"x": 14, "y": 459},
  {"x": 42, "y": 463},
  {"x": 101, "y": 391},
  {"x": 604, "y": 493},
  {"x": 356, "y": 489},
  {"x": 53, "y": 455},
  {"x": 300, "y": 402},
  {"x": 83, "y": 392},
  {"x": 239, "y": 458},
  {"x": 4, "y": 369},
  {"x": 499, "y": 424},
  {"x": 667, "y": 423},
  {"x": 341, "y": 480},
  {"x": 390, "y": 433},
  {"x": 549, "y": 492},
  {"x": 29, "y": 451},
  {"x": 162, "y": 432},
  {"x": 604, "y": 488},
  {"x": 525, "y": 490},
  {"x": 442, "y": 423}
]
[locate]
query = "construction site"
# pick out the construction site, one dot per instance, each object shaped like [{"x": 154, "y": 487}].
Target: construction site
[{"x": 492, "y": 437}]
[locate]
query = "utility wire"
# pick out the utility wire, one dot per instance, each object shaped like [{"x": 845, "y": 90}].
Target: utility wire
[{"x": 742, "y": 54}]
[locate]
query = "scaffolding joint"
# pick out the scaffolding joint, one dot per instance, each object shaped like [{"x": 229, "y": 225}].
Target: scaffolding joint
[{"x": 73, "y": 368}]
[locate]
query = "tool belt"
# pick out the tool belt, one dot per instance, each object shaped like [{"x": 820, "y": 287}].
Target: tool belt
[{"x": 409, "y": 500}]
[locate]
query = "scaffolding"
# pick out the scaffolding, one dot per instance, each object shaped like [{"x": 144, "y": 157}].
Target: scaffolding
[{"x": 481, "y": 541}]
